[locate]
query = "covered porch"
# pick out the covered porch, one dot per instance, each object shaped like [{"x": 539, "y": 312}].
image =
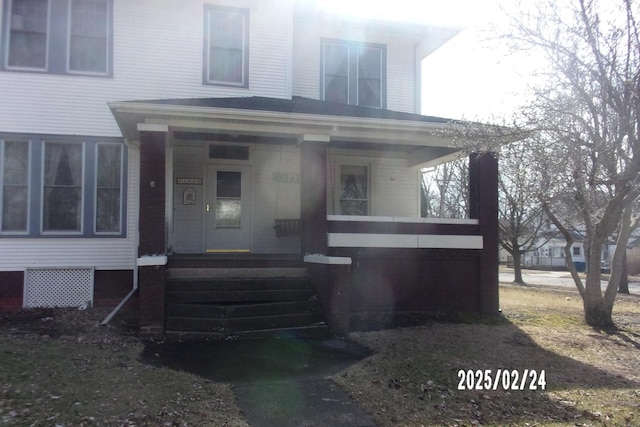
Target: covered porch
[{"x": 335, "y": 186}]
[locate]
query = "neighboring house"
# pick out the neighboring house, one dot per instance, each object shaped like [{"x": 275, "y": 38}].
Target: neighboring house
[
  {"x": 550, "y": 254},
  {"x": 147, "y": 141}
]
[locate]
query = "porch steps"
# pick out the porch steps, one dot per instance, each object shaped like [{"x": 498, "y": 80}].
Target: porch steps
[{"x": 241, "y": 302}]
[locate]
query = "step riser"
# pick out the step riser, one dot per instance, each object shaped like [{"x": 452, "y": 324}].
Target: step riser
[
  {"x": 238, "y": 296},
  {"x": 236, "y": 273},
  {"x": 236, "y": 284},
  {"x": 243, "y": 324},
  {"x": 244, "y": 310},
  {"x": 306, "y": 331}
]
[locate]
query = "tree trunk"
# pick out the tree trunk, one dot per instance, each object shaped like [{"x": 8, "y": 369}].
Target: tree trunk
[
  {"x": 597, "y": 312},
  {"x": 623, "y": 288},
  {"x": 517, "y": 267}
]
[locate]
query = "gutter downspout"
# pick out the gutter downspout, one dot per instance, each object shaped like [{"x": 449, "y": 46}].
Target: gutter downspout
[
  {"x": 126, "y": 298},
  {"x": 135, "y": 283}
]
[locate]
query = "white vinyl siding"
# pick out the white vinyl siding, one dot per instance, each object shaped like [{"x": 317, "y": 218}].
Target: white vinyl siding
[
  {"x": 100, "y": 253},
  {"x": 148, "y": 64}
]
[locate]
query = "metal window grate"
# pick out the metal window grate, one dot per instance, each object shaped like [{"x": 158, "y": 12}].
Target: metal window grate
[{"x": 58, "y": 287}]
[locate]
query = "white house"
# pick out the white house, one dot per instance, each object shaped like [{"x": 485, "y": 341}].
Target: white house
[{"x": 143, "y": 142}]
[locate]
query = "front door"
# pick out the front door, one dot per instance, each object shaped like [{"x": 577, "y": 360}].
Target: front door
[{"x": 228, "y": 209}]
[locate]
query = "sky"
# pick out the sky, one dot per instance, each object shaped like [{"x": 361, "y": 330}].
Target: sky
[{"x": 462, "y": 79}]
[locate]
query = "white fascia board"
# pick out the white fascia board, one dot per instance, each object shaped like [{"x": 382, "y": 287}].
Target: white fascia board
[
  {"x": 342, "y": 126},
  {"x": 398, "y": 219},
  {"x": 327, "y": 260},
  {"x": 152, "y": 260},
  {"x": 404, "y": 241},
  {"x": 153, "y": 127}
]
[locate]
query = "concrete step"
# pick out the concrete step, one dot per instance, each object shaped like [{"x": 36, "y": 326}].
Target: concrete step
[
  {"x": 236, "y": 273},
  {"x": 241, "y": 310},
  {"x": 243, "y": 324},
  {"x": 226, "y": 284},
  {"x": 314, "y": 331}
]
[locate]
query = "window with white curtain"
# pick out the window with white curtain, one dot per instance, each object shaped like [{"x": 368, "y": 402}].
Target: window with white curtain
[{"x": 62, "y": 187}]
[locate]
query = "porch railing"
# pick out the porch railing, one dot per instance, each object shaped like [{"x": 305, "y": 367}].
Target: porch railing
[{"x": 346, "y": 231}]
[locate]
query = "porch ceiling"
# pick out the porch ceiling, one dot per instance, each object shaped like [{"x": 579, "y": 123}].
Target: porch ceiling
[{"x": 424, "y": 140}]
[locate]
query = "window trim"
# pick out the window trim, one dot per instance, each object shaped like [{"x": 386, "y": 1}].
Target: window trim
[
  {"x": 29, "y": 185},
  {"x": 57, "y": 43},
  {"x": 206, "y": 49},
  {"x": 353, "y": 97}
]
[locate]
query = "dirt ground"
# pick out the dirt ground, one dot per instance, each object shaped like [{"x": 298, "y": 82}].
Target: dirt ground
[{"x": 59, "y": 367}]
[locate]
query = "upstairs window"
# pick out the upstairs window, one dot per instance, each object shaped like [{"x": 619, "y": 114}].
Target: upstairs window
[
  {"x": 226, "y": 46},
  {"x": 28, "y": 34},
  {"x": 59, "y": 37},
  {"x": 88, "y": 36},
  {"x": 353, "y": 73}
]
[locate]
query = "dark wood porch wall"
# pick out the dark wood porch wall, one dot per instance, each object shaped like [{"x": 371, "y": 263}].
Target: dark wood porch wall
[{"x": 151, "y": 279}]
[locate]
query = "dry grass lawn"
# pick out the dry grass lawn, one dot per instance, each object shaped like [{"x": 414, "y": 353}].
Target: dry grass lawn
[{"x": 592, "y": 377}]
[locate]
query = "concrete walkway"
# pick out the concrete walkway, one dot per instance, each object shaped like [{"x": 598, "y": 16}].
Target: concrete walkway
[{"x": 278, "y": 382}]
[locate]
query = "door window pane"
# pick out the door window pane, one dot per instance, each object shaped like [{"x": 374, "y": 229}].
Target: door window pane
[
  {"x": 15, "y": 186},
  {"x": 228, "y": 199},
  {"x": 62, "y": 193},
  {"x": 108, "y": 188},
  {"x": 28, "y": 34},
  {"x": 354, "y": 196},
  {"x": 88, "y": 36}
]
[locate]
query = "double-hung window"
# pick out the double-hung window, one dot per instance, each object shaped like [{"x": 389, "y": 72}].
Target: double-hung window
[
  {"x": 62, "y": 186},
  {"x": 226, "y": 46},
  {"x": 353, "y": 73},
  {"x": 59, "y": 37},
  {"x": 88, "y": 36},
  {"x": 15, "y": 185},
  {"x": 28, "y": 34},
  {"x": 108, "y": 188}
]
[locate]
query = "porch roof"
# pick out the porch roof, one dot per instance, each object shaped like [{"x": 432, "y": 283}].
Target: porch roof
[{"x": 425, "y": 140}]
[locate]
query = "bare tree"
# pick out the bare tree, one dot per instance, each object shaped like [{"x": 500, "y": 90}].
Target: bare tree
[
  {"x": 445, "y": 190},
  {"x": 585, "y": 121},
  {"x": 521, "y": 216}
]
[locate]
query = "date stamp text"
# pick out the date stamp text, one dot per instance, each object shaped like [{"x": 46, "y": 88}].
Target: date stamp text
[{"x": 502, "y": 379}]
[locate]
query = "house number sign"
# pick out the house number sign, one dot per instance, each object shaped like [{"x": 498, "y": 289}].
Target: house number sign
[
  {"x": 189, "y": 181},
  {"x": 286, "y": 178}
]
